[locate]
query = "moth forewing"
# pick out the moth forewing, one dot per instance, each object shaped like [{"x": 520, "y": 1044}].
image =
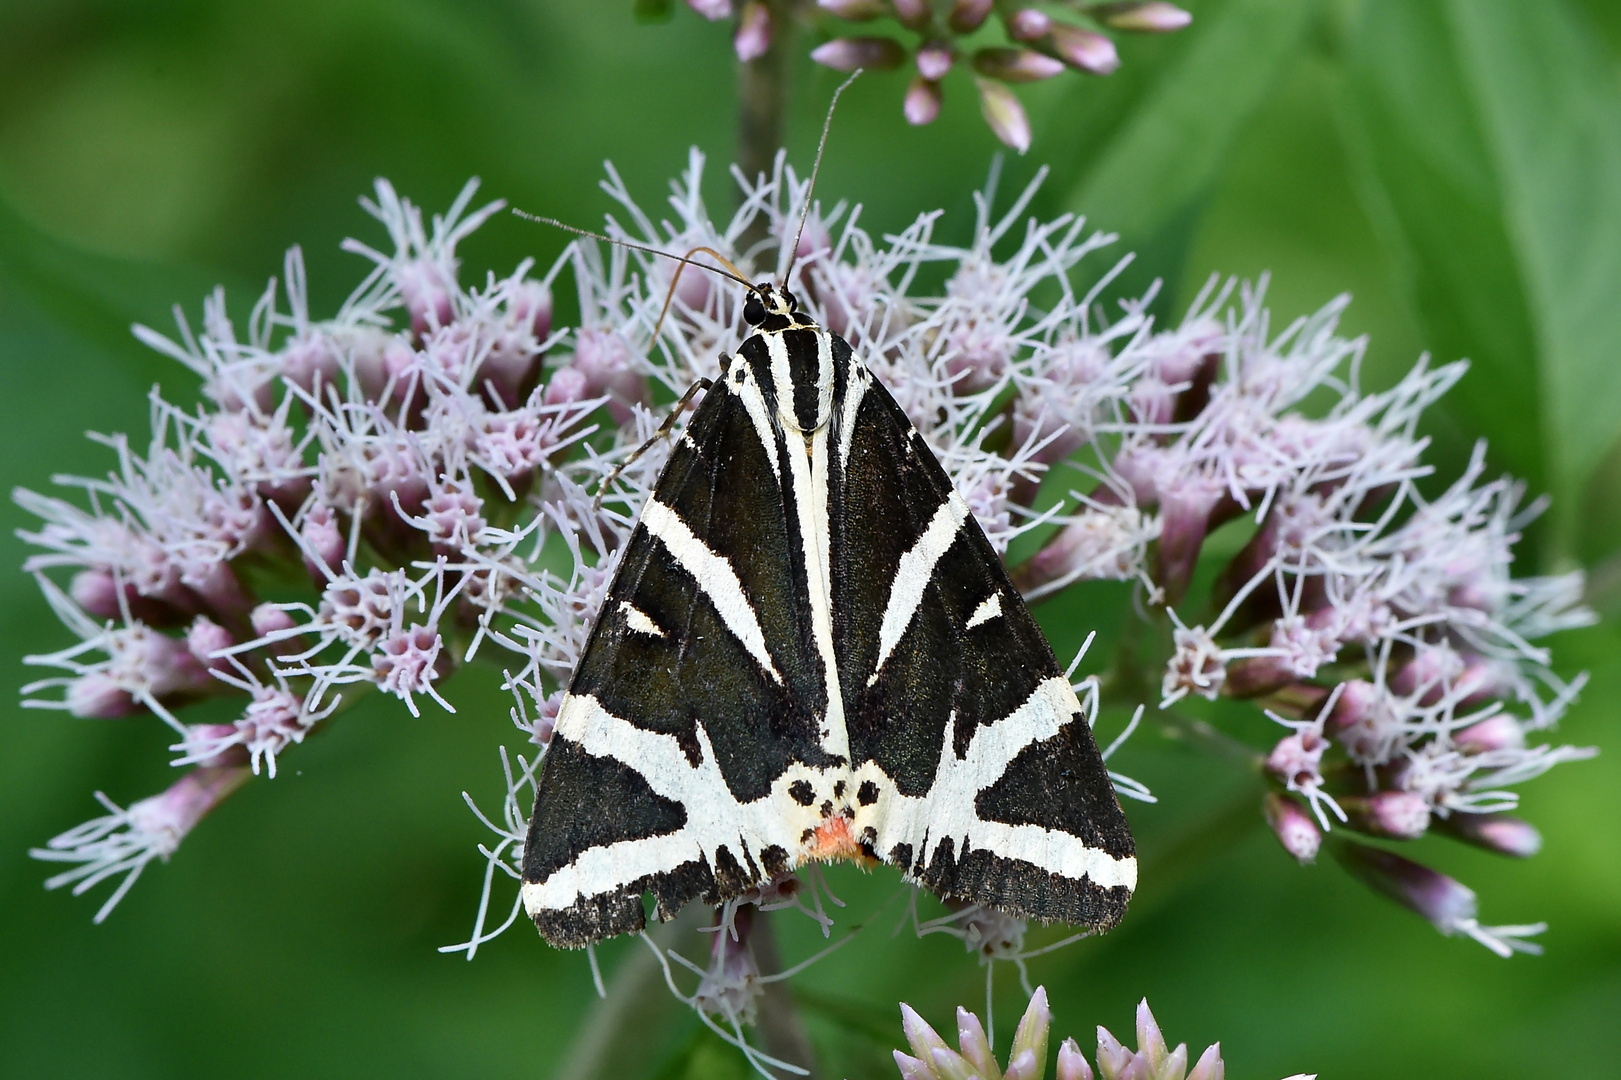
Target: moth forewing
[{"x": 810, "y": 651}]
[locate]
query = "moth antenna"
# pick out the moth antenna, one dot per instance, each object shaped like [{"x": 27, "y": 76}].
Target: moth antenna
[
  {"x": 686, "y": 260},
  {"x": 816, "y": 166}
]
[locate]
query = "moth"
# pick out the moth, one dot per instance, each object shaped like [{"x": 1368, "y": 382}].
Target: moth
[{"x": 811, "y": 652}]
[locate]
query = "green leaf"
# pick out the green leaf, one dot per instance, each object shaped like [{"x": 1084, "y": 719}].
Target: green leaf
[
  {"x": 1550, "y": 106},
  {"x": 1150, "y": 179},
  {"x": 1425, "y": 176}
]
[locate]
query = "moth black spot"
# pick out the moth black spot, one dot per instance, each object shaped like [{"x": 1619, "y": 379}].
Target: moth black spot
[
  {"x": 869, "y": 836},
  {"x": 838, "y": 790},
  {"x": 801, "y": 792},
  {"x": 867, "y": 793},
  {"x": 827, "y": 808},
  {"x": 901, "y": 856},
  {"x": 807, "y": 836},
  {"x": 775, "y": 860}
]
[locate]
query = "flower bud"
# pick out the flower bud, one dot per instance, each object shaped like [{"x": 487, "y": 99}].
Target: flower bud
[
  {"x": 852, "y": 10},
  {"x": 1151, "y": 1045},
  {"x": 1211, "y": 1067},
  {"x": 922, "y": 104},
  {"x": 976, "y": 1048},
  {"x": 753, "y": 37},
  {"x": 312, "y": 358},
  {"x": 1002, "y": 111},
  {"x": 1100, "y": 543},
  {"x": 912, "y": 14},
  {"x": 222, "y": 590},
  {"x": 1016, "y": 65},
  {"x": 1430, "y": 674},
  {"x": 1186, "y": 508},
  {"x": 1356, "y": 703},
  {"x": 1293, "y": 826},
  {"x": 1394, "y": 815},
  {"x": 935, "y": 59},
  {"x": 922, "y": 1038},
  {"x": 1072, "y": 1064},
  {"x": 213, "y": 745},
  {"x": 1085, "y": 50},
  {"x": 95, "y": 696},
  {"x": 911, "y": 1068},
  {"x": 1029, "y": 24},
  {"x": 1442, "y": 900},
  {"x": 96, "y": 591},
  {"x": 428, "y": 295},
  {"x": 1254, "y": 676},
  {"x": 968, "y": 15},
  {"x": 1028, "y": 1055},
  {"x": 1153, "y": 17},
  {"x": 604, "y": 358},
  {"x": 1502, "y": 833},
  {"x": 409, "y": 662},
  {"x": 1113, "y": 1059},
  {"x": 269, "y": 619},
  {"x": 323, "y": 543},
  {"x": 530, "y": 308},
  {"x": 1499, "y": 731},
  {"x": 207, "y": 637},
  {"x": 566, "y": 386},
  {"x": 847, "y": 54},
  {"x": 713, "y": 10},
  {"x": 177, "y": 811}
]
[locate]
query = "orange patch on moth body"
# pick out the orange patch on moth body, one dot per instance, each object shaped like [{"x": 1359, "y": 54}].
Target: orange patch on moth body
[{"x": 832, "y": 841}]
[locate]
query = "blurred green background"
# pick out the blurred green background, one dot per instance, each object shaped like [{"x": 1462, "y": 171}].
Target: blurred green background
[{"x": 1456, "y": 166}]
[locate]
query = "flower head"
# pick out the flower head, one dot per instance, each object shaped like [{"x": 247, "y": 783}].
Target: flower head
[
  {"x": 932, "y": 1059},
  {"x": 936, "y": 36}
]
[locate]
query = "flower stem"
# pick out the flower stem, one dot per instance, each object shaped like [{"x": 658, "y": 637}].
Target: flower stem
[
  {"x": 636, "y": 997},
  {"x": 762, "y": 92},
  {"x": 779, "y": 1021}
]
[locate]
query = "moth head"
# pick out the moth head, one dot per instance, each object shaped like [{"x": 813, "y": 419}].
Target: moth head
[{"x": 768, "y": 299}]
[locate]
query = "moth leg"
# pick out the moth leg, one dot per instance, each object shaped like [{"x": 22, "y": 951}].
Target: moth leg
[{"x": 658, "y": 436}]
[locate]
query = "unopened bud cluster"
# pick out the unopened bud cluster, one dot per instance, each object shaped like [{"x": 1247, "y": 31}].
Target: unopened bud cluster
[
  {"x": 932, "y": 1059},
  {"x": 1038, "y": 42}
]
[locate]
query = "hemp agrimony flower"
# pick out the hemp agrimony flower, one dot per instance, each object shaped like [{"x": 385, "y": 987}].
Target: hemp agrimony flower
[
  {"x": 368, "y": 502},
  {"x": 1038, "y": 44}
]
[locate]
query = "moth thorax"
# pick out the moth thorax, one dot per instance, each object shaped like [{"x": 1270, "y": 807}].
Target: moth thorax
[{"x": 809, "y": 406}]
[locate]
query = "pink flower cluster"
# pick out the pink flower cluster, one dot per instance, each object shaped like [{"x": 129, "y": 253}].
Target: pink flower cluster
[
  {"x": 1037, "y": 46},
  {"x": 367, "y": 502}
]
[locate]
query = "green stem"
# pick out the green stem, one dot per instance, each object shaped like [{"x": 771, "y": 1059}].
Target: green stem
[
  {"x": 762, "y": 92},
  {"x": 780, "y": 1024},
  {"x": 611, "y": 1040}
]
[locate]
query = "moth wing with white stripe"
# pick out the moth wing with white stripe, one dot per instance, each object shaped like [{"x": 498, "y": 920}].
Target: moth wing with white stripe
[
  {"x": 679, "y": 721},
  {"x": 986, "y": 784},
  {"x": 811, "y": 652}
]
